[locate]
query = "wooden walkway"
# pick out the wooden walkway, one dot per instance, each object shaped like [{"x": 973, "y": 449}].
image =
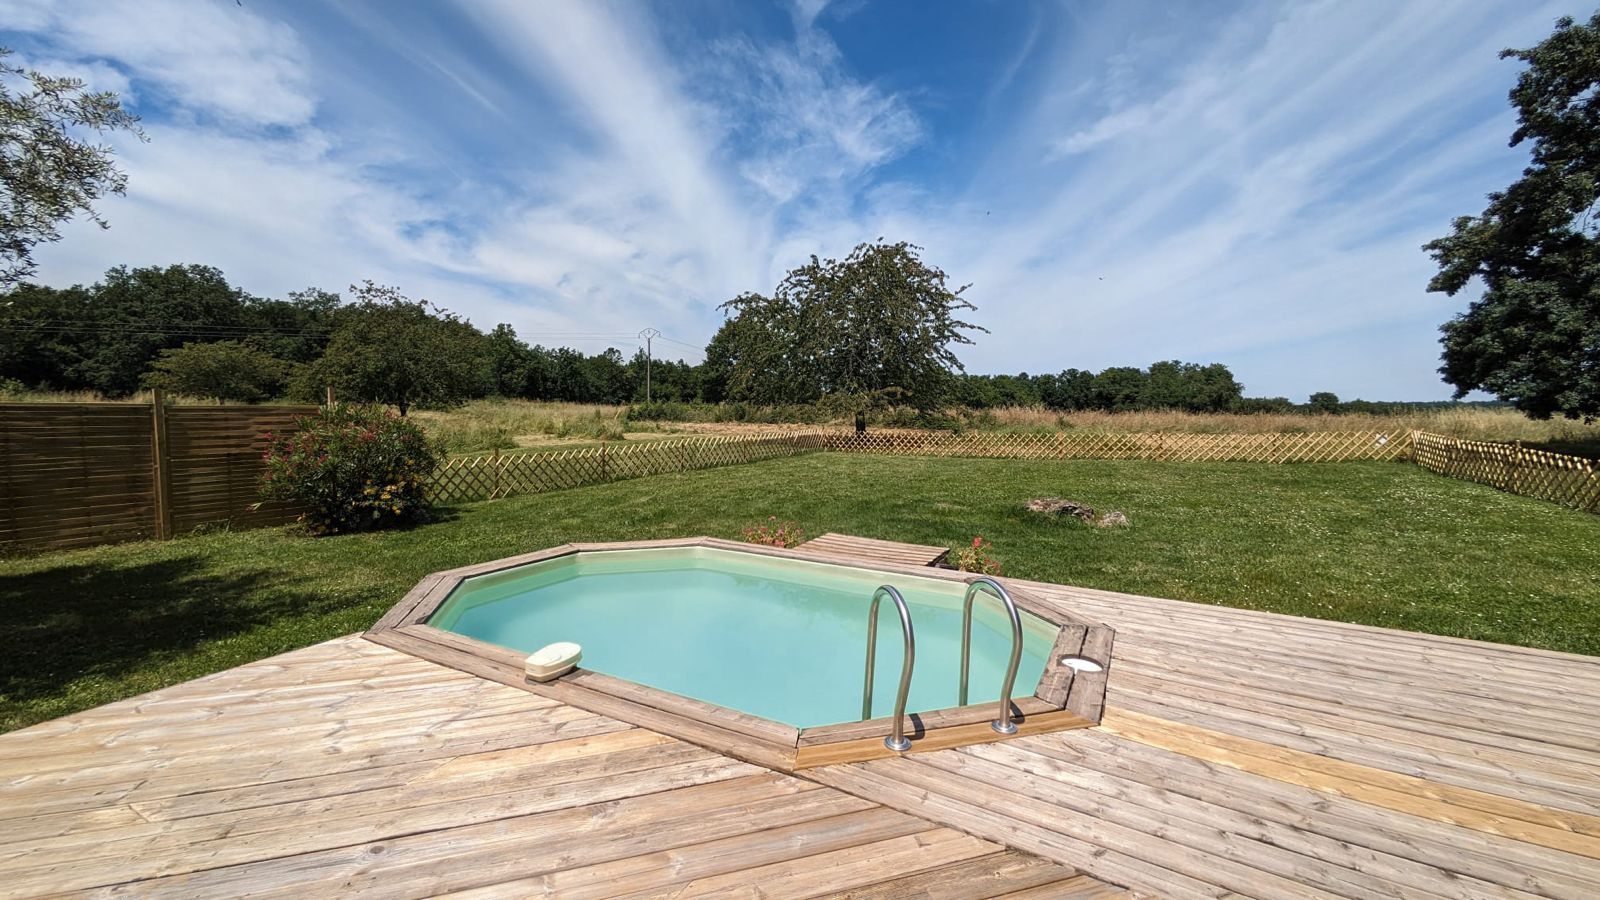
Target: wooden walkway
[
  {"x": 349, "y": 768},
  {"x": 1241, "y": 754}
]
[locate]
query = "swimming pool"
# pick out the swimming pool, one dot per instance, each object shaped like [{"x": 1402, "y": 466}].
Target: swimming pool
[{"x": 775, "y": 637}]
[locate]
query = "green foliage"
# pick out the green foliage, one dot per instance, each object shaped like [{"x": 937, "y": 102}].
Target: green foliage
[
  {"x": 773, "y": 533},
  {"x": 1324, "y": 402},
  {"x": 880, "y": 320},
  {"x": 387, "y": 348},
  {"x": 353, "y": 468},
  {"x": 977, "y": 556},
  {"x": 1165, "y": 385},
  {"x": 224, "y": 370},
  {"x": 47, "y": 173},
  {"x": 510, "y": 362},
  {"x": 105, "y": 336},
  {"x": 1533, "y": 337}
]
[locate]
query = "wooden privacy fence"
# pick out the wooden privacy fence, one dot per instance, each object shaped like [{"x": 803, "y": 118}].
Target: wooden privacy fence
[
  {"x": 1568, "y": 480},
  {"x": 1313, "y": 446},
  {"x": 79, "y": 474},
  {"x": 502, "y": 475}
]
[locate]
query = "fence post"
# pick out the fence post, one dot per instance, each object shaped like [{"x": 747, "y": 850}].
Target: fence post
[
  {"x": 327, "y": 399},
  {"x": 605, "y": 473},
  {"x": 496, "y": 494},
  {"x": 1514, "y": 468},
  {"x": 161, "y": 464}
]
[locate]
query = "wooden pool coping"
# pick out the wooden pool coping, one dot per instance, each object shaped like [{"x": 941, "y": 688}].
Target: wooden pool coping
[{"x": 1065, "y": 698}]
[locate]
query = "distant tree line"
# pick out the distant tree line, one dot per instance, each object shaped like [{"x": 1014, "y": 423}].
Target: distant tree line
[
  {"x": 1164, "y": 385},
  {"x": 185, "y": 328}
]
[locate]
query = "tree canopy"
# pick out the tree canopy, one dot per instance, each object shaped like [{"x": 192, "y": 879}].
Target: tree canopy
[
  {"x": 1533, "y": 337},
  {"x": 878, "y": 322},
  {"x": 48, "y": 172},
  {"x": 103, "y": 337},
  {"x": 224, "y": 370},
  {"x": 388, "y": 348},
  {"x": 188, "y": 330}
]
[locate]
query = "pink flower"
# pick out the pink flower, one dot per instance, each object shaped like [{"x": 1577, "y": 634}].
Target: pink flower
[{"x": 977, "y": 542}]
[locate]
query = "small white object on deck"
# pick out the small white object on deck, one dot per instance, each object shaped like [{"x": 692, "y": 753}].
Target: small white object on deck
[{"x": 552, "y": 661}]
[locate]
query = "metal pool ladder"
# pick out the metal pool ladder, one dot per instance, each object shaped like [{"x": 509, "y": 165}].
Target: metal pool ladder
[
  {"x": 897, "y": 739},
  {"x": 1004, "y": 724}
]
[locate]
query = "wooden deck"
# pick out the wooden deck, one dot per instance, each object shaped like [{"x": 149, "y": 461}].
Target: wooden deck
[
  {"x": 1240, "y": 754},
  {"x": 349, "y": 767},
  {"x": 873, "y": 550},
  {"x": 1291, "y": 758}
]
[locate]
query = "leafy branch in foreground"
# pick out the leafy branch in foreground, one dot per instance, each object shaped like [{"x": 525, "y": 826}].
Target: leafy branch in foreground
[{"x": 47, "y": 173}]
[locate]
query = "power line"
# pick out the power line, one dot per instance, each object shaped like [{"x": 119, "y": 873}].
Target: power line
[{"x": 681, "y": 343}]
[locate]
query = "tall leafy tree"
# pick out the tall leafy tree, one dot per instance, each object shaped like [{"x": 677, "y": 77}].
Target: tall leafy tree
[
  {"x": 878, "y": 322},
  {"x": 1533, "y": 337},
  {"x": 48, "y": 171},
  {"x": 1324, "y": 402},
  {"x": 1119, "y": 388},
  {"x": 510, "y": 362},
  {"x": 223, "y": 370},
  {"x": 388, "y": 348}
]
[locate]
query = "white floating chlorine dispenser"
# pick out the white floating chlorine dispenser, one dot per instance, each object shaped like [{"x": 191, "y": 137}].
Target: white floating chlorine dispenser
[{"x": 552, "y": 661}]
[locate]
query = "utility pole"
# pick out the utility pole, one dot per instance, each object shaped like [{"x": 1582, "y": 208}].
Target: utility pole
[{"x": 649, "y": 334}]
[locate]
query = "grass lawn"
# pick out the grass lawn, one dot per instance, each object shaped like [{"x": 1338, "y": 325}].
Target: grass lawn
[{"x": 1378, "y": 543}]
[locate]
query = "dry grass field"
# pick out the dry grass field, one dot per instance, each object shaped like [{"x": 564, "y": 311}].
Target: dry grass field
[
  {"x": 1469, "y": 422},
  {"x": 490, "y": 424}
]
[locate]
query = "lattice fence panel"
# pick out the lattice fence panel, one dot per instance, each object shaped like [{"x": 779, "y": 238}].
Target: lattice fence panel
[
  {"x": 503, "y": 475},
  {"x": 1317, "y": 446},
  {"x": 1568, "y": 480}
]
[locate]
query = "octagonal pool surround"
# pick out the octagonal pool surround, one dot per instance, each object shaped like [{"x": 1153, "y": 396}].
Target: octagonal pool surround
[{"x": 783, "y": 639}]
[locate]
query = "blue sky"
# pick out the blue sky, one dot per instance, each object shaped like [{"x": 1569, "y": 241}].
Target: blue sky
[{"x": 1120, "y": 182}]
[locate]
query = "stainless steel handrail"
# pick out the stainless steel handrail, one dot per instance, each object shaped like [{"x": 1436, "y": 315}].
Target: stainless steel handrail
[
  {"x": 897, "y": 739},
  {"x": 1004, "y": 724}
]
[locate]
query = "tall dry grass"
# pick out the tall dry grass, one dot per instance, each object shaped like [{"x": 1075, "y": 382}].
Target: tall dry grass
[
  {"x": 498, "y": 424},
  {"x": 11, "y": 395},
  {"x": 1468, "y": 422},
  {"x": 491, "y": 424}
]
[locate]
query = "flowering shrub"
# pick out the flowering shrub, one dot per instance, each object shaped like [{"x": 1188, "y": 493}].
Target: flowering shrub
[
  {"x": 773, "y": 533},
  {"x": 353, "y": 468},
  {"x": 976, "y": 558}
]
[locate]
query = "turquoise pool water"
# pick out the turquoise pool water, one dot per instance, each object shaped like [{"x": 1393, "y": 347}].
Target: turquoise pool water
[{"x": 777, "y": 638}]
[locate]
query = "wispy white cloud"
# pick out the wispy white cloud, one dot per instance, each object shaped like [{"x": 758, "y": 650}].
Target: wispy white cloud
[
  {"x": 806, "y": 122},
  {"x": 213, "y": 58}
]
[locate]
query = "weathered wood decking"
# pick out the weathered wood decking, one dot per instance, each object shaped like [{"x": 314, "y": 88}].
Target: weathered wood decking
[
  {"x": 1240, "y": 753},
  {"x": 350, "y": 767},
  {"x": 874, "y": 550},
  {"x": 1290, "y": 758}
]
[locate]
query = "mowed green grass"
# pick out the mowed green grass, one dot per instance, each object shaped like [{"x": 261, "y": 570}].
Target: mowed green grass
[{"x": 1382, "y": 544}]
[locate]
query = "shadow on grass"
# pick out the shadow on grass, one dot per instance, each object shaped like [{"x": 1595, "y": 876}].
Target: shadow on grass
[{"x": 101, "y": 619}]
